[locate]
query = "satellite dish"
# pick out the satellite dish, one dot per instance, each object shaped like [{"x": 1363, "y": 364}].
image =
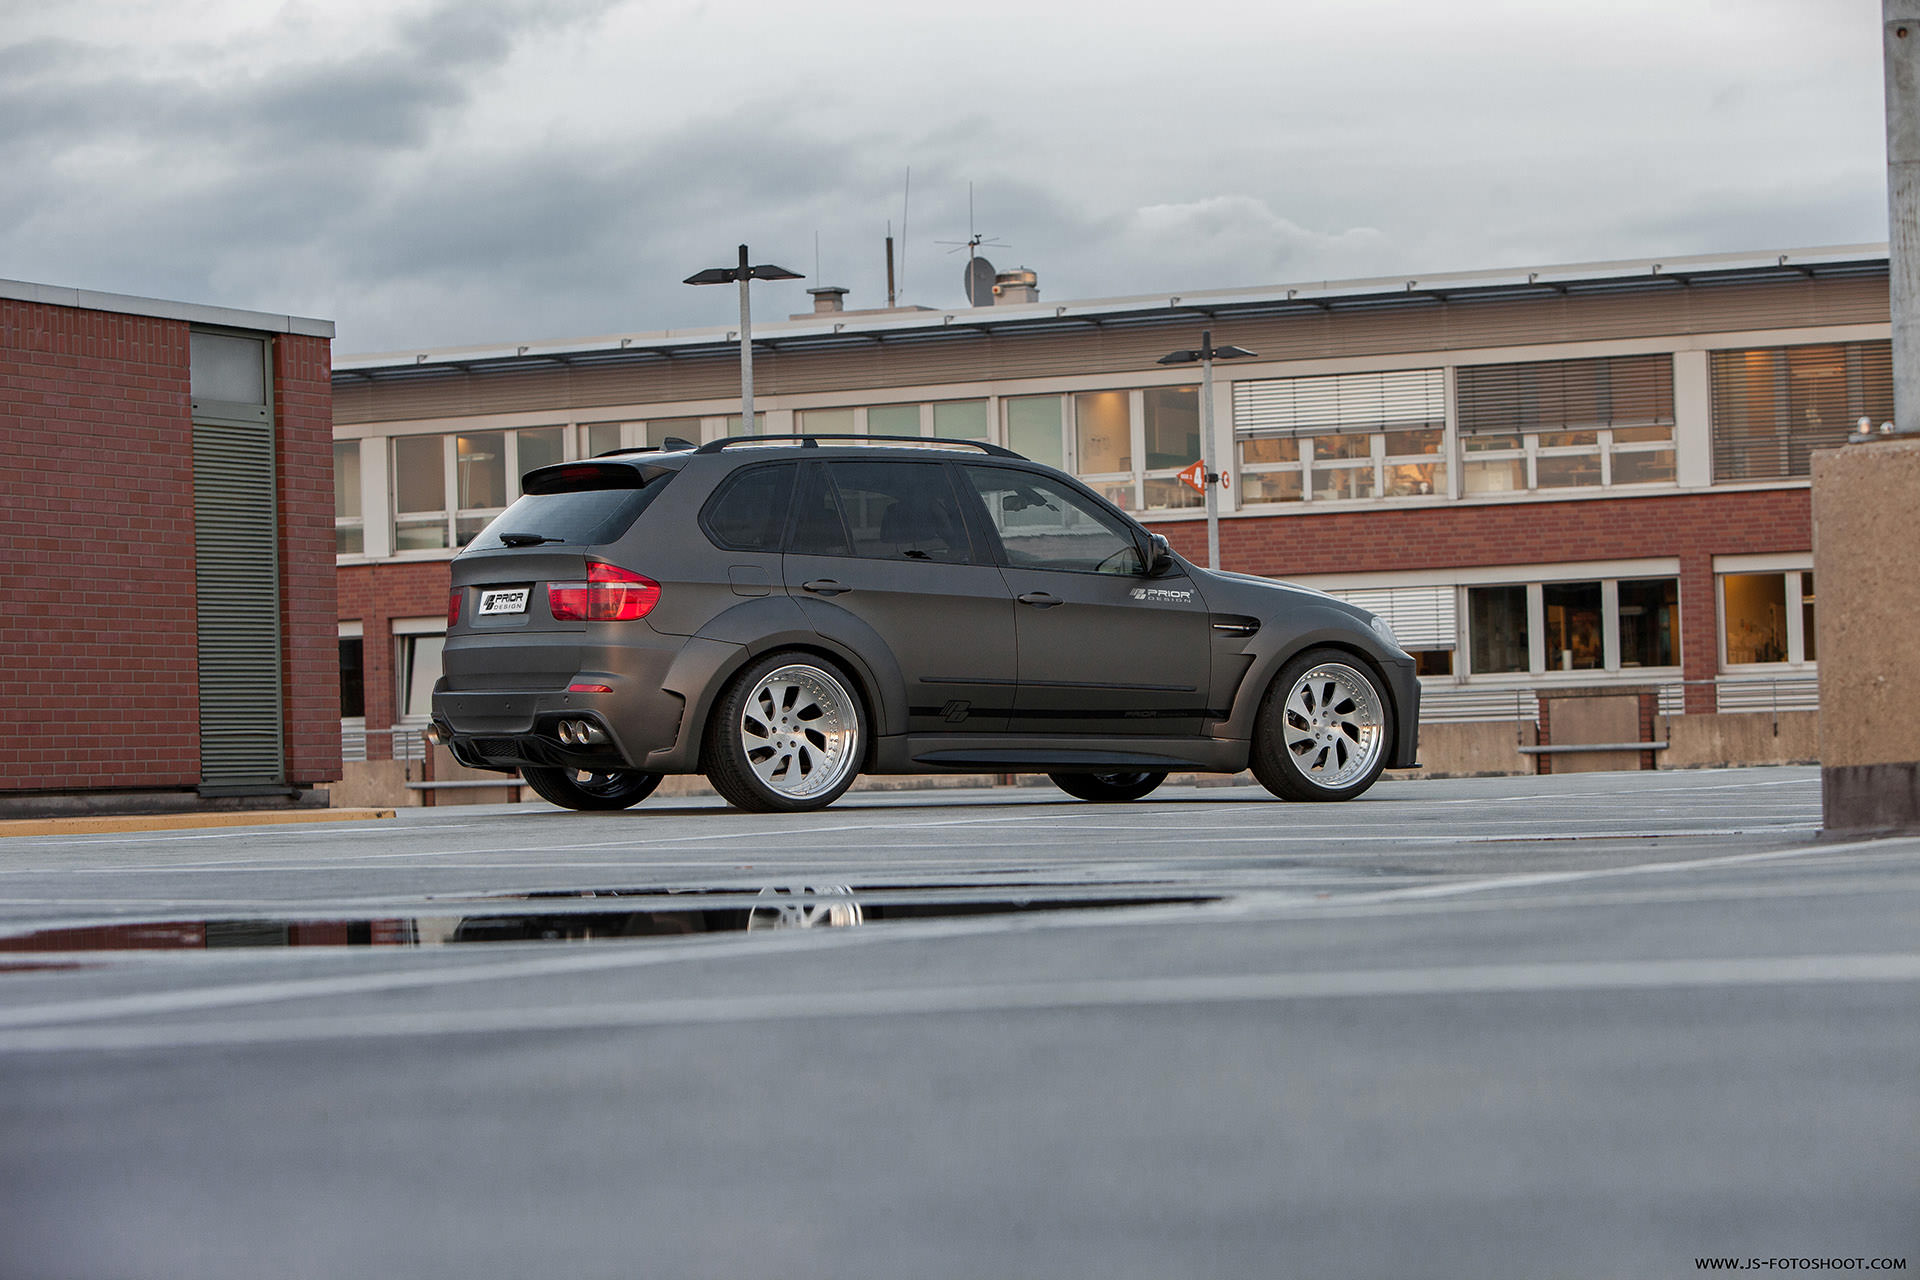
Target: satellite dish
[{"x": 977, "y": 280}]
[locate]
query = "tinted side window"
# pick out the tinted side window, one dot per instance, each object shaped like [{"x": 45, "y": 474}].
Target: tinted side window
[
  {"x": 899, "y": 510},
  {"x": 749, "y": 510},
  {"x": 1045, "y": 525},
  {"x": 818, "y": 529}
]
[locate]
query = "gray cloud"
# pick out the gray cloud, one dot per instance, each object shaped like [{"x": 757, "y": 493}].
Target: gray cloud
[{"x": 521, "y": 170}]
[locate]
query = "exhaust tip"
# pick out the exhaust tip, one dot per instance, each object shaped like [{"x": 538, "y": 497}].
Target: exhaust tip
[{"x": 566, "y": 732}]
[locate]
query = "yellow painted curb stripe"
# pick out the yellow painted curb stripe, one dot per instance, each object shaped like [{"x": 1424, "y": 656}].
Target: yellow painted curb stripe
[{"x": 181, "y": 821}]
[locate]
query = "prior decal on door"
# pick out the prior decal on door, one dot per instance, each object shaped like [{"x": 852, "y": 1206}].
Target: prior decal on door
[
  {"x": 512, "y": 600},
  {"x": 1154, "y": 594}
]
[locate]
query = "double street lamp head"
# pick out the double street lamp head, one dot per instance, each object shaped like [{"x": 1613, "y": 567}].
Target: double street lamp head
[
  {"x": 742, "y": 274},
  {"x": 732, "y": 275},
  {"x": 1205, "y": 351}
]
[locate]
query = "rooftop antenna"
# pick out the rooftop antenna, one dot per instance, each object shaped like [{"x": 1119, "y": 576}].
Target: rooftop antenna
[
  {"x": 906, "y": 198},
  {"x": 978, "y": 280},
  {"x": 890, "y": 292}
]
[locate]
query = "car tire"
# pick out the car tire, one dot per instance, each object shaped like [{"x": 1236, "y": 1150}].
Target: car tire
[
  {"x": 1108, "y": 788},
  {"x": 787, "y": 735},
  {"x": 1324, "y": 729},
  {"x": 589, "y": 790}
]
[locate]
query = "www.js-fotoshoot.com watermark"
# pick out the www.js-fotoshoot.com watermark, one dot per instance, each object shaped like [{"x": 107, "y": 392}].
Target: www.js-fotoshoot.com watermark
[{"x": 1800, "y": 1264}]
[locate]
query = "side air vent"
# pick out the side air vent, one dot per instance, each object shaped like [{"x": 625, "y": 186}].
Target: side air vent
[{"x": 1232, "y": 625}]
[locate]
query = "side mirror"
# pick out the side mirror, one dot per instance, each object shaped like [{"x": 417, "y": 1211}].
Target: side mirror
[{"x": 1159, "y": 556}]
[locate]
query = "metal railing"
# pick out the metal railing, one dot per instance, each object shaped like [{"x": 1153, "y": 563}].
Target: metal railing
[
  {"x": 408, "y": 744},
  {"x": 1757, "y": 695}
]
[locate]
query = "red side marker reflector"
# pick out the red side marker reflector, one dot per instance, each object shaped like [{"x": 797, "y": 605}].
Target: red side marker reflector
[{"x": 589, "y": 688}]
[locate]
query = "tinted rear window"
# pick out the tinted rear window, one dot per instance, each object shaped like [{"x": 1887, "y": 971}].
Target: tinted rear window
[
  {"x": 586, "y": 517},
  {"x": 749, "y": 511}
]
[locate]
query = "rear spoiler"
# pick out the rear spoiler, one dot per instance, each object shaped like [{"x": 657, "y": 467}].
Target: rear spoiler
[{"x": 593, "y": 473}]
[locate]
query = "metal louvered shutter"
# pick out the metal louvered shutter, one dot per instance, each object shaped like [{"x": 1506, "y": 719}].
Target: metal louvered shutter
[
  {"x": 236, "y": 555},
  {"x": 1326, "y": 404},
  {"x": 1772, "y": 407},
  {"x": 1566, "y": 395},
  {"x": 1421, "y": 617}
]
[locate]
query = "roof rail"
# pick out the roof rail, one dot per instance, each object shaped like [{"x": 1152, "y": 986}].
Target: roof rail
[{"x": 813, "y": 442}]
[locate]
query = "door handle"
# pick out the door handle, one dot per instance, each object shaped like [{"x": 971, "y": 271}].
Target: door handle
[
  {"x": 1040, "y": 599},
  {"x": 825, "y": 587}
]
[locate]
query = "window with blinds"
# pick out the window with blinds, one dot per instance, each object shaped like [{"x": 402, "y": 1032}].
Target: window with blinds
[
  {"x": 1772, "y": 407},
  {"x": 1342, "y": 436},
  {"x": 1565, "y": 424},
  {"x": 1401, "y": 400},
  {"x": 1566, "y": 395},
  {"x": 1421, "y": 617}
]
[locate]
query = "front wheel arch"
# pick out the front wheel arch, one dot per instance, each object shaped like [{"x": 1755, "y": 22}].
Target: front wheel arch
[{"x": 1303, "y": 751}]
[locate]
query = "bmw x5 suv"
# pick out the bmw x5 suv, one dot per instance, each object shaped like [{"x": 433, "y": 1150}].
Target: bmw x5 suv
[{"x": 783, "y": 614}]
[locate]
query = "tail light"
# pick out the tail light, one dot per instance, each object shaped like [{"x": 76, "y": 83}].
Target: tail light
[
  {"x": 453, "y": 606},
  {"x": 610, "y": 594}
]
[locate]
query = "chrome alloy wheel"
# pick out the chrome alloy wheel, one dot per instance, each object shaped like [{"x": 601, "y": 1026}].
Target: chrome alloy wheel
[
  {"x": 1333, "y": 725},
  {"x": 800, "y": 731}
]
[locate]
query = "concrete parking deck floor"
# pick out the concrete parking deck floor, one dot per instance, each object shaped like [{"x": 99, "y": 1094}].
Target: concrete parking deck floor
[{"x": 1597, "y": 1025}]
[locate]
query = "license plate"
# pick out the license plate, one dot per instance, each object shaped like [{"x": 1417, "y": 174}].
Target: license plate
[{"x": 511, "y": 600}]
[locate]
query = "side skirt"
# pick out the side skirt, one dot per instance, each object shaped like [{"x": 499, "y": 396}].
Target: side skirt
[{"x": 986, "y": 753}]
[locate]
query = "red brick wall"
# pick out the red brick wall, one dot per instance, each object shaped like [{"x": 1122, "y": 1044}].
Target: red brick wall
[
  {"x": 1693, "y": 527},
  {"x": 374, "y": 595},
  {"x": 98, "y": 687},
  {"x": 309, "y": 653}
]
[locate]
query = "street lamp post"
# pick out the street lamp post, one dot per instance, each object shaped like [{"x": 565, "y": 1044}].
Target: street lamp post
[
  {"x": 1206, "y": 354},
  {"x": 744, "y": 274}
]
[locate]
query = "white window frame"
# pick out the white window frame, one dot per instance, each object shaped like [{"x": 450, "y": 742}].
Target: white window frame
[
  {"x": 572, "y": 442},
  {"x": 407, "y": 632},
  {"x": 1795, "y": 570},
  {"x": 359, "y": 522}
]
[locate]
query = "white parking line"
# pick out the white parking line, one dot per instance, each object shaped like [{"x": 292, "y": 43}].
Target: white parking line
[{"x": 1459, "y": 980}]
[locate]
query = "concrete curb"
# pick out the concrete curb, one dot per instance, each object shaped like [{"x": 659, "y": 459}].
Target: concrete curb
[{"x": 181, "y": 821}]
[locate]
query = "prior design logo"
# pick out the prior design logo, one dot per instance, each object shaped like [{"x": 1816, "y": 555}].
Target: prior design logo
[{"x": 1161, "y": 595}]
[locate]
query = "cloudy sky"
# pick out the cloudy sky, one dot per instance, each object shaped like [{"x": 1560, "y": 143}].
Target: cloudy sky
[{"x": 431, "y": 173}]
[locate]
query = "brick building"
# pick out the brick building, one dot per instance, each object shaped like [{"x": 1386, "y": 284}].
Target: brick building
[
  {"x": 1551, "y": 480},
  {"x": 169, "y": 560}
]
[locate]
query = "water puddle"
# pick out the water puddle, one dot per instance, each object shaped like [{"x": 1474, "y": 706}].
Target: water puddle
[{"x": 607, "y": 915}]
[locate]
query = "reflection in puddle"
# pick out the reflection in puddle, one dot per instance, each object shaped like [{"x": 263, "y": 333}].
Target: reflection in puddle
[{"x": 652, "y": 914}]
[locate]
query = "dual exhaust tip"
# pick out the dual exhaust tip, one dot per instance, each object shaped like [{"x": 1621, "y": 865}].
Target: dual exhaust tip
[{"x": 581, "y": 733}]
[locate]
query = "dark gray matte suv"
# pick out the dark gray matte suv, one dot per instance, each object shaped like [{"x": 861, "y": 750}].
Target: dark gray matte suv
[{"x": 782, "y": 614}]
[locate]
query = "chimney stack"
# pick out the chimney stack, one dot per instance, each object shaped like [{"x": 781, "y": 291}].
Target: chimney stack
[{"x": 1019, "y": 285}]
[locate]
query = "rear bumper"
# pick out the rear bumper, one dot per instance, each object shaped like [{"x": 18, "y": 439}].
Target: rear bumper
[
  {"x": 504, "y": 729},
  {"x": 492, "y": 721}
]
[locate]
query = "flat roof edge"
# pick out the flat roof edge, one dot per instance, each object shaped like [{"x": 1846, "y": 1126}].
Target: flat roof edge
[
  {"x": 164, "y": 309},
  {"x": 955, "y": 320}
]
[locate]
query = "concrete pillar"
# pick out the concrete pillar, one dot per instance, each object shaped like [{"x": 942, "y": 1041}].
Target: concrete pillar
[
  {"x": 1900, "y": 57},
  {"x": 1866, "y": 523}
]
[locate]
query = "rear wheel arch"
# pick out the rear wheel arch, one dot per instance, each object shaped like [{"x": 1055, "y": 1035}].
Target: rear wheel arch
[
  {"x": 701, "y": 704},
  {"x": 789, "y": 732}
]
